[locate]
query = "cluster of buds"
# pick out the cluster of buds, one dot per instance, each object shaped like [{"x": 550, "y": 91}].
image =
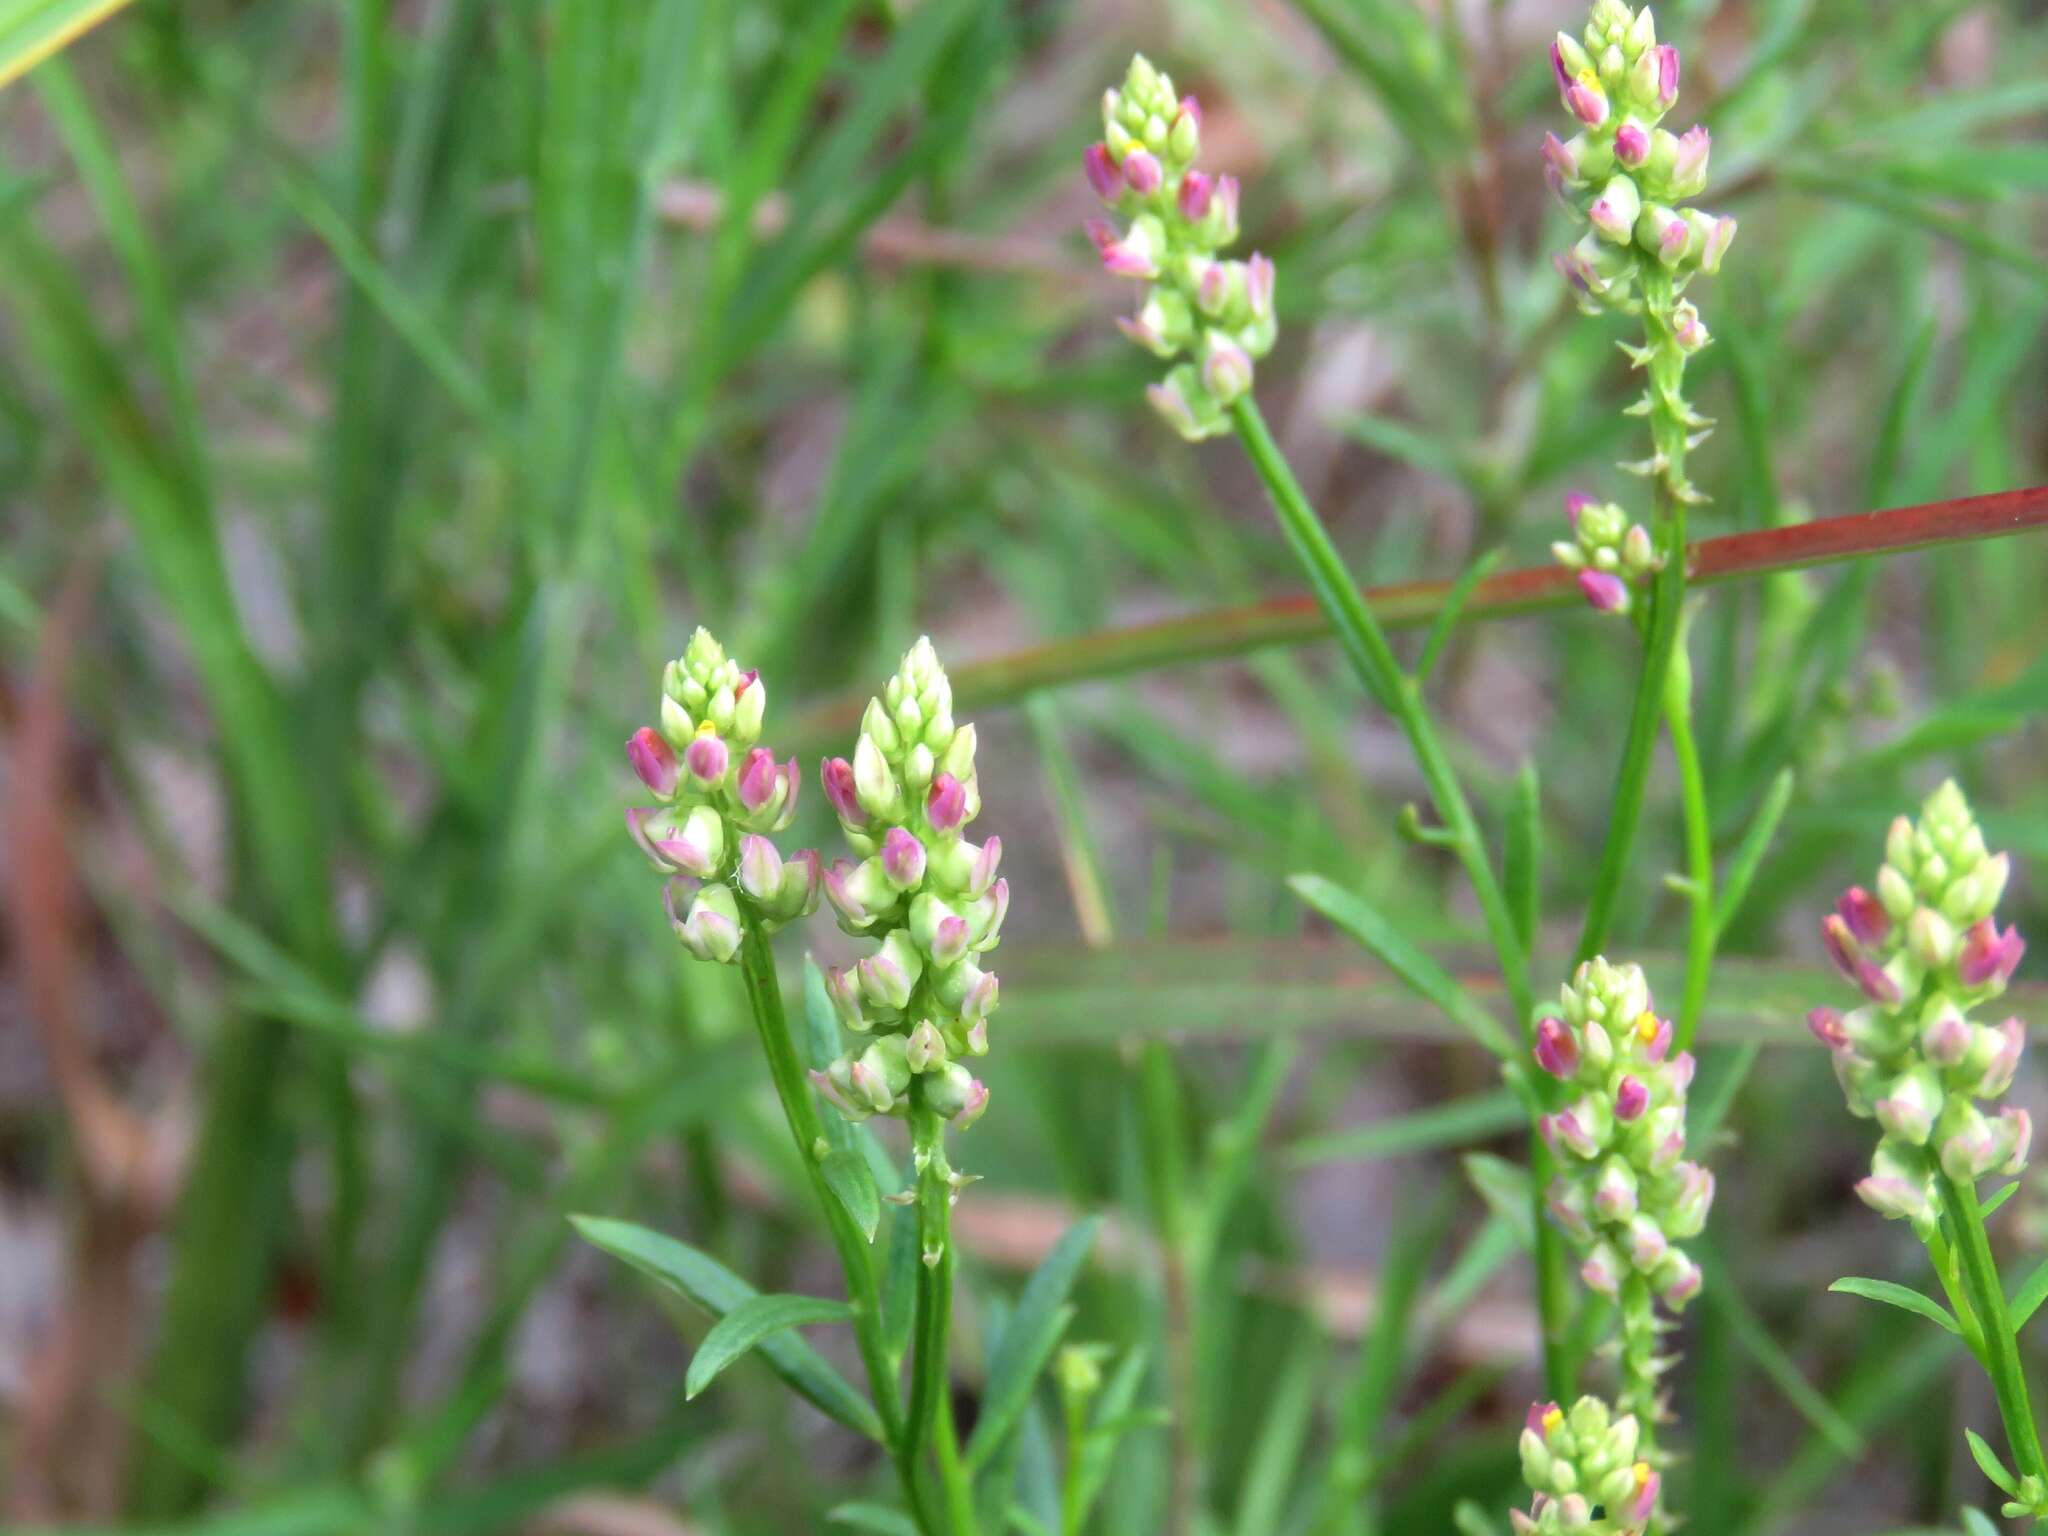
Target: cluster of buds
[
  {"x": 1623, "y": 175},
  {"x": 1609, "y": 554},
  {"x": 931, "y": 897},
  {"x": 1623, "y": 1192},
  {"x": 1925, "y": 950},
  {"x": 1587, "y": 1472},
  {"x": 721, "y": 796},
  {"x": 1214, "y": 314}
]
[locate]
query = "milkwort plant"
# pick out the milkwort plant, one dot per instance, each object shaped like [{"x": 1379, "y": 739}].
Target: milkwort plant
[
  {"x": 919, "y": 1008},
  {"x": 1622, "y": 1140},
  {"x": 1926, "y": 952}
]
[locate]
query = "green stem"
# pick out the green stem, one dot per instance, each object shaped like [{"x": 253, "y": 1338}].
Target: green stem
[
  {"x": 1365, "y": 647},
  {"x": 764, "y": 994},
  {"x": 1987, "y": 1299},
  {"x": 1699, "y": 845},
  {"x": 931, "y": 1409}
]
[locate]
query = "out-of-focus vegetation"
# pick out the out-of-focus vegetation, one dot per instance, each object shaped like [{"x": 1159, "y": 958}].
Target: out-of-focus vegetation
[{"x": 390, "y": 387}]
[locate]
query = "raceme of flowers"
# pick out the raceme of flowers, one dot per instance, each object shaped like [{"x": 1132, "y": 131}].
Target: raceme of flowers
[
  {"x": 930, "y": 897},
  {"x": 1214, "y": 314},
  {"x": 1626, "y": 1197},
  {"x": 720, "y": 797},
  {"x": 1926, "y": 952},
  {"x": 1586, "y": 1472},
  {"x": 1609, "y": 553},
  {"x": 1625, "y": 177}
]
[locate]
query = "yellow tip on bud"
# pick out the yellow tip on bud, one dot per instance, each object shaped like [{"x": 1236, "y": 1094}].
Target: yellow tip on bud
[
  {"x": 1646, "y": 1026},
  {"x": 1641, "y": 1471},
  {"x": 1552, "y": 1419}
]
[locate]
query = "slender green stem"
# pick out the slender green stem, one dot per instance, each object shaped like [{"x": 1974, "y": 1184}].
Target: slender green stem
[
  {"x": 764, "y": 994},
  {"x": 931, "y": 1408},
  {"x": 1987, "y": 1299},
  {"x": 1365, "y": 647},
  {"x": 1704, "y": 931}
]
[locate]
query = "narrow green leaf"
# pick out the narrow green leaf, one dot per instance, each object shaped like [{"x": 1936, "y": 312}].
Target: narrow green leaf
[
  {"x": 1029, "y": 1339},
  {"x": 717, "y": 1290},
  {"x": 1749, "y": 853},
  {"x": 1454, "y": 607},
  {"x": 878, "y": 1518},
  {"x": 1988, "y": 1462},
  {"x": 1359, "y": 918},
  {"x": 755, "y": 1321},
  {"x": 1999, "y": 1199},
  {"x": 1783, "y": 1371},
  {"x": 32, "y": 30},
  {"x": 1504, "y": 1186},
  {"x": 1977, "y": 1523},
  {"x": 2027, "y": 1299},
  {"x": 899, "y": 1283},
  {"x": 1460, "y": 1122},
  {"x": 852, "y": 1183},
  {"x": 1272, "y": 1473},
  {"x": 1901, "y": 1296},
  {"x": 1521, "y": 870}
]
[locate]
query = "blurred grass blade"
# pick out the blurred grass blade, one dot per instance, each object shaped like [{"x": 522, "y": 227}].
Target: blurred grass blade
[
  {"x": 1458, "y": 1123},
  {"x": 1364, "y": 922},
  {"x": 1749, "y": 853},
  {"x": 1521, "y": 864},
  {"x": 33, "y": 30},
  {"x": 753, "y": 1322},
  {"x": 718, "y": 1291},
  {"x": 1029, "y": 1338}
]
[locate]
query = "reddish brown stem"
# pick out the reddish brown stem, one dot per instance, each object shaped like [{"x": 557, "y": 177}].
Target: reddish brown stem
[{"x": 1294, "y": 620}]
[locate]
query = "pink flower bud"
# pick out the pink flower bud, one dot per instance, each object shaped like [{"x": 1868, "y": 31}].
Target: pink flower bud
[
  {"x": 1865, "y": 916},
  {"x": 975, "y": 1102},
  {"x": 1631, "y": 144},
  {"x": 1557, "y": 1049},
  {"x": 945, "y": 807},
  {"x": 1197, "y": 191},
  {"x": 977, "y": 1036},
  {"x": 902, "y": 859},
  {"x": 1575, "y": 503},
  {"x": 1689, "y": 164},
  {"x": 1559, "y": 157},
  {"x": 1587, "y": 102},
  {"x": 983, "y": 873},
  {"x": 1631, "y": 1098},
  {"x": 760, "y": 868},
  {"x": 1258, "y": 283},
  {"x": 706, "y": 758},
  {"x": 949, "y": 940},
  {"x": 852, "y": 911},
  {"x": 1125, "y": 260},
  {"x": 836, "y": 774},
  {"x": 2005, "y": 1059},
  {"x": 1826, "y": 1024},
  {"x": 2022, "y": 1132},
  {"x": 1192, "y": 109},
  {"x": 1840, "y": 944},
  {"x": 1559, "y": 70},
  {"x": 1102, "y": 171},
  {"x": 1607, "y": 592},
  {"x": 1893, "y": 1196},
  {"x": 1667, "y": 76},
  {"x": 1658, "y": 1046},
  {"x": 1101, "y": 232},
  {"x": 1602, "y": 1270},
  {"x": 1644, "y": 1504},
  {"x": 1946, "y": 1040},
  {"x": 757, "y": 778},
  {"x": 1142, "y": 172},
  {"x": 1538, "y": 1420},
  {"x": 1988, "y": 957},
  {"x": 1226, "y": 370},
  {"x": 653, "y": 760},
  {"x": 981, "y": 998}
]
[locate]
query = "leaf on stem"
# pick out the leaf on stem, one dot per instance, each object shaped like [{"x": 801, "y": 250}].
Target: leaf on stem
[
  {"x": 1989, "y": 1464},
  {"x": 1902, "y": 1296},
  {"x": 753, "y": 1321},
  {"x": 1365, "y": 923},
  {"x": 718, "y": 1291}
]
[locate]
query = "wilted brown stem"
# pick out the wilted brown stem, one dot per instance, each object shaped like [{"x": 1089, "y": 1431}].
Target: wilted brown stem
[{"x": 1296, "y": 620}]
